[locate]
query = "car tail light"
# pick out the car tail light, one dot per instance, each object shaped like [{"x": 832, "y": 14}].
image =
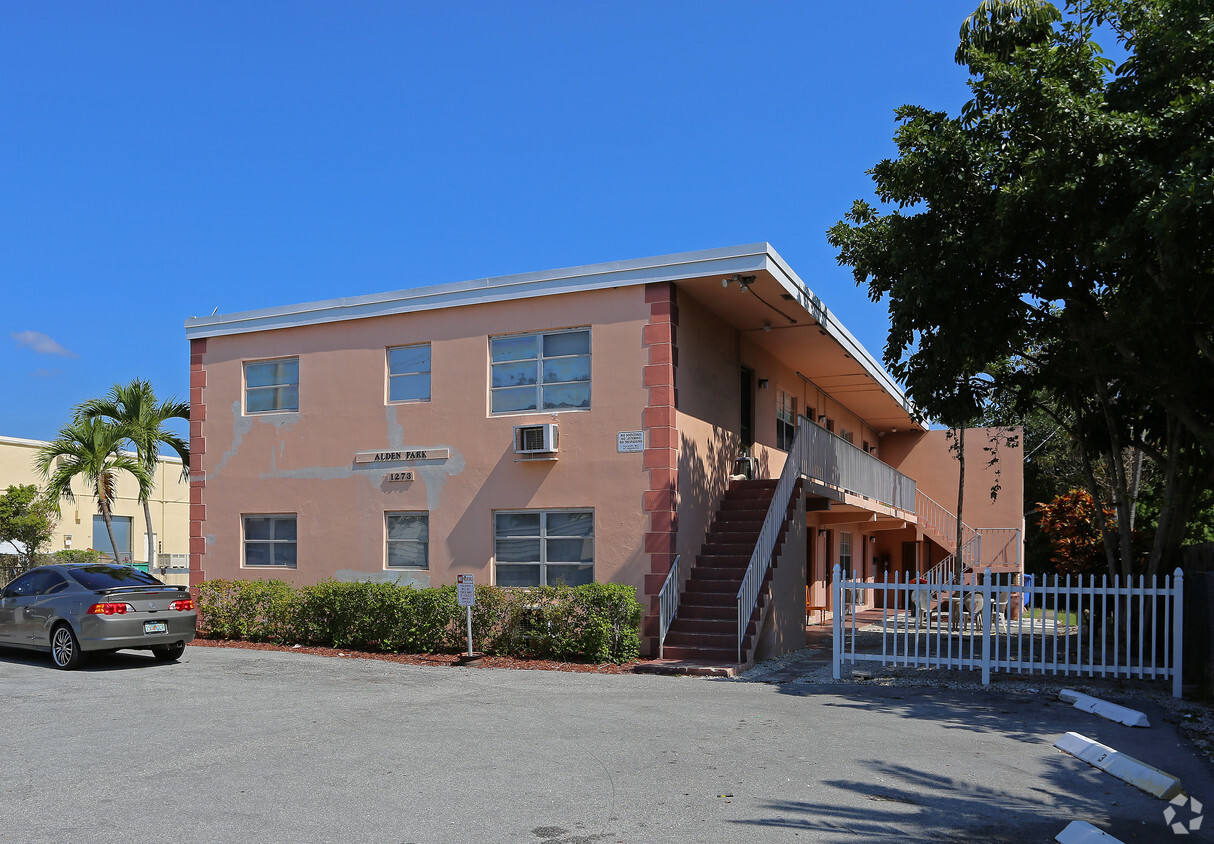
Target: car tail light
[
  {"x": 110, "y": 609},
  {"x": 184, "y": 605}
]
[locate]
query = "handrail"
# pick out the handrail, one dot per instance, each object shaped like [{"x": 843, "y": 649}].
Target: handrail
[
  {"x": 835, "y": 462},
  {"x": 765, "y": 546},
  {"x": 1009, "y": 552},
  {"x": 943, "y": 521},
  {"x": 973, "y": 555},
  {"x": 668, "y": 603}
]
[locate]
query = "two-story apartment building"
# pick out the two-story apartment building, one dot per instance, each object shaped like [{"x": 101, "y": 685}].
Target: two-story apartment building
[{"x": 563, "y": 427}]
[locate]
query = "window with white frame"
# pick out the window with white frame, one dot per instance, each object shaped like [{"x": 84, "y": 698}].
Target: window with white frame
[
  {"x": 549, "y": 371},
  {"x": 271, "y": 386},
  {"x": 409, "y": 373},
  {"x": 786, "y": 419},
  {"x": 845, "y": 551},
  {"x": 408, "y": 540},
  {"x": 269, "y": 540},
  {"x": 543, "y": 547}
]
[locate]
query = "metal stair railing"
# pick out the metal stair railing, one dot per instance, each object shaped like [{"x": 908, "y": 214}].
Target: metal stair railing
[
  {"x": 942, "y": 521},
  {"x": 668, "y": 604},
  {"x": 765, "y": 546}
]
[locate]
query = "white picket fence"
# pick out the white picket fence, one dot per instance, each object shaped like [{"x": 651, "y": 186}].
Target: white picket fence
[{"x": 1089, "y": 627}]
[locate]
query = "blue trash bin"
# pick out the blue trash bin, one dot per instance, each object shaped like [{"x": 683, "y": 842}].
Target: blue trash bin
[{"x": 1026, "y": 595}]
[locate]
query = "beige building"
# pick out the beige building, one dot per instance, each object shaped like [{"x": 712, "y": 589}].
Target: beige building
[{"x": 80, "y": 525}]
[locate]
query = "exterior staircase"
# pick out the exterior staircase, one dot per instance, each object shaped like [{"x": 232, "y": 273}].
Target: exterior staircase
[{"x": 706, "y": 626}]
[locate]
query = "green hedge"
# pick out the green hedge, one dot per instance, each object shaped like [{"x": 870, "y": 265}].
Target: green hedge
[{"x": 599, "y": 622}]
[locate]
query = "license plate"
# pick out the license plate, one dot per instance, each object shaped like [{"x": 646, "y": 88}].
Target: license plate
[{"x": 155, "y": 627}]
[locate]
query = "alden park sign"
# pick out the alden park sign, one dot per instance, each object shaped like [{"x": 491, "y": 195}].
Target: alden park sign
[{"x": 402, "y": 454}]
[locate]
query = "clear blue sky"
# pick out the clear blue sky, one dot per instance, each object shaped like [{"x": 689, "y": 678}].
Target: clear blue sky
[{"x": 162, "y": 160}]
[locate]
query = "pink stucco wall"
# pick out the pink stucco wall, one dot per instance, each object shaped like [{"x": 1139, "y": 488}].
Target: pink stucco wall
[
  {"x": 926, "y": 458},
  {"x": 304, "y": 462}
]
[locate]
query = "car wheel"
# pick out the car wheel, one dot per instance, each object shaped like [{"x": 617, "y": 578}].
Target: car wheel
[
  {"x": 65, "y": 649},
  {"x": 169, "y": 653}
]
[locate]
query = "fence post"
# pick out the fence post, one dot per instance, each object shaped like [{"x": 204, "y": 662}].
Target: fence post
[
  {"x": 988, "y": 610},
  {"x": 1178, "y": 633},
  {"x": 836, "y": 621}
]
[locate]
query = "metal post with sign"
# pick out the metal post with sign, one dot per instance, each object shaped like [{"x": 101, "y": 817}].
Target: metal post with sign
[{"x": 465, "y": 590}]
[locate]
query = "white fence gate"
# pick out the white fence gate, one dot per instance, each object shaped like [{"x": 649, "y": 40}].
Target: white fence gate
[{"x": 1089, "y": 627}]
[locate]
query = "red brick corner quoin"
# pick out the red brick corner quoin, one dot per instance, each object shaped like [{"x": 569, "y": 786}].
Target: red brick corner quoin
[
  {"x": 198, "y": 416},
  {"x": 660, "y": 337}
]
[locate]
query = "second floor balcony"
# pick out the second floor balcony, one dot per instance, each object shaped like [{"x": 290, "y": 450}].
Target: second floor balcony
[{"x": 837, "y": 469}]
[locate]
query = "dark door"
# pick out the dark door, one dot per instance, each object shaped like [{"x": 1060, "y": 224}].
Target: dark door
[
  {"x": 748, "y": 408},
  {"x": 828, "y": 561}
]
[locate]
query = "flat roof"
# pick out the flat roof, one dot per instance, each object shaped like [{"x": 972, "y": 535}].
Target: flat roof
[
  {"x": 750, "y": 258},
  {"x": 27, "y": 443}
]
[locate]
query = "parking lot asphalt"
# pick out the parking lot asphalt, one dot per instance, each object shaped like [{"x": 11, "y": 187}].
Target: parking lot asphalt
[{"x": 259, "y": 746}]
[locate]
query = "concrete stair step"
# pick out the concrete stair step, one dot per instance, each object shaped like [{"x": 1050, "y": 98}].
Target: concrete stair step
[
  {"x": 741, "y": 519},
  {"x": 730, "y": 549},
  {"x": 713, "y": 561},
  {"x": 707, "y": 655},
  {"x": 709, "y": 599},
  {"x": 761, "y": 483},
  {"x": 734, "y": 572},
  {"x": 701, "y": 641},
  {"x": 707, "y": 612},
  {"x": 699, "y": 625},
  {"x": 702, "y": 587}
]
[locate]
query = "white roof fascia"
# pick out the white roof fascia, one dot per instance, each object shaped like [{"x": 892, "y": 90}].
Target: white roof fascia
[
  {"x": 725, "y": 261},
  {"x": 835, "y": 329},
  {"x": 163, "y": 458},
  {"x": 21, "y": 441}
]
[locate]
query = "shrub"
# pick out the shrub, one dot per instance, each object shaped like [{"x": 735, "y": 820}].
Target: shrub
[
  {"x": 598, "y": 622},
  {"x": 83, "y": 556},
  {"x": 253, "y": 610}
]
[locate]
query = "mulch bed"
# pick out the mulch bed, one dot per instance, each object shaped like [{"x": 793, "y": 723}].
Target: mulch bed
[{"x": 436, "y": 660}]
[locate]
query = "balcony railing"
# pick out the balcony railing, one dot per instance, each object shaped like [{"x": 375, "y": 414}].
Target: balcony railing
[{"x": 834, "y": 462}]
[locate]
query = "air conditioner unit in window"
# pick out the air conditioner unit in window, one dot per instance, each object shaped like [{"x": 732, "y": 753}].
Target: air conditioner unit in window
[{"x": 535, "y": 439}]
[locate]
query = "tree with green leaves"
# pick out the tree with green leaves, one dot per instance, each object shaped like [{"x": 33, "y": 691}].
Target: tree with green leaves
[
  {"x": 27, "y": 521},
  {"x": 1049, "y": 248},
  {"x": 134, "y": 406},
  {"x": 91, "y": 450}
]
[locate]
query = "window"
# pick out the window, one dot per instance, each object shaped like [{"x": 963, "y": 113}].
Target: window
[
  {"x": 109, "y": 577},
  {"x": 540, "y": 371},
  {"x": 271, "y": 386},
  {"x": 269, "y": 541},
  {"x": 544, "y": 548},
  {"x": 786, "y": 420},
  {"x": 35, "y": 583},
  {"x": 409, "y": 373},
  {"x": 408, "y": 540},
  {"x": 846, "y": 435},
  {"x": 122, "y": 535},
  {"x": 845, "y": 551}
]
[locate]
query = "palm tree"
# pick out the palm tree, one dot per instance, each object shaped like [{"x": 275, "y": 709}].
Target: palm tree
[
  {"x": 90, "y": 449},
  {"x": 134, "y": 407}
]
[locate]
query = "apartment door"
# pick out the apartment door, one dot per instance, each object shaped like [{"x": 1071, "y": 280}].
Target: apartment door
[
  {"x": 747, "y": 403},
  {"x": 910, "y": 559}
]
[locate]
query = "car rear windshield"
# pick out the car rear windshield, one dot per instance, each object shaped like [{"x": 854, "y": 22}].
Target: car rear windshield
[{"x": 108, "y": 577}]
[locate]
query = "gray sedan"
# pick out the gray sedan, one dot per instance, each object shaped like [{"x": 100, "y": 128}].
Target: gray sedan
[{"x": 70, "y": 610}]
